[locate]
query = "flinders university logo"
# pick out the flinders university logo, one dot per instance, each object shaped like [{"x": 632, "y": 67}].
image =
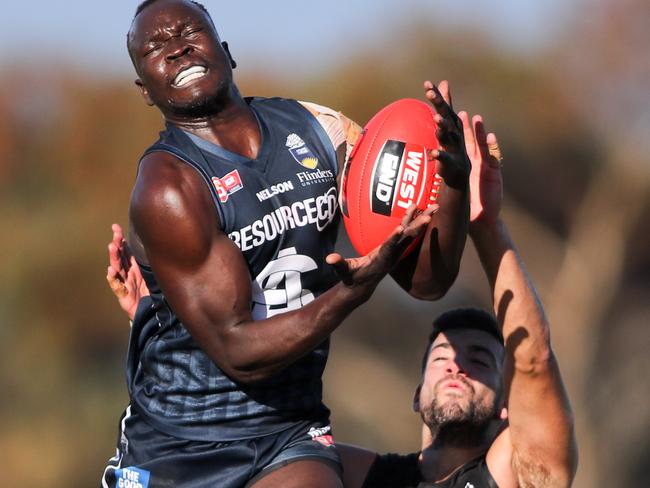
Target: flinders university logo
[{"x": 301, "y": 152}]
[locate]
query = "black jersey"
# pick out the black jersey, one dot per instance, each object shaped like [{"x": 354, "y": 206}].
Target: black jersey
[
  {"x": 281, "y": 211},
  {"x": 397, "y": 471}
]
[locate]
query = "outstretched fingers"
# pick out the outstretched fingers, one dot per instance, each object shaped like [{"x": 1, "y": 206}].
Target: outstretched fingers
[
  {"x": 445, "y": 163},
  {"x": 414, "y": 223},
  {"x": 116, "y": 283},
  {"x": 468, "y": 134},
  {"x": 481, "y": 139},
  {"x": 439, "y": 96},
  {"x": 494, "y": 151}
]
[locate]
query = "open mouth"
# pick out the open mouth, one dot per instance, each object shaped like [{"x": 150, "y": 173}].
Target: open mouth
[{"x": 189, "y": 75}]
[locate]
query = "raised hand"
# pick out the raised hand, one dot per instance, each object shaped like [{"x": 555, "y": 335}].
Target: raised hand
[
  {"x": 123, "y": 274},
  {"x": 486, "y": 185},
  {"x": 365, "y": 272},
  {"x": 452, "y": 163}
]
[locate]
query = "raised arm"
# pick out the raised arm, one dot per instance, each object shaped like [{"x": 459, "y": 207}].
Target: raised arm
[
  {"x": 538, "y": 448},
  {"x": 207, "y": 283},
  {"x": 430, "y": 271}
]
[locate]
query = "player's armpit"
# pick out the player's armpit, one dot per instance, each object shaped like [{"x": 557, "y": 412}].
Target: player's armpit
[{"x": 543, "y": 439}]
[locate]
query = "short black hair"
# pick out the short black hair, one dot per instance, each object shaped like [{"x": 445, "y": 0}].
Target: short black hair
[
  {"x": 463, "y": 318},
  {"x": 146, "y": 3}
]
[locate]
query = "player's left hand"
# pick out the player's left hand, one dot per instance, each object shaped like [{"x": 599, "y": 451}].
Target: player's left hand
[
  {"x": 486, "y": 185},
  {"x": 365, "y": 272},
  {"x": 452, "y": 163},
  {"x": 123, "y": 274}
]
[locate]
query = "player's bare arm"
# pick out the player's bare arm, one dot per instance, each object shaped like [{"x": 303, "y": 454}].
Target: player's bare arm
[
  {"x": 431, "y": 271},
  {"x": 538, "y": 448},
  {"x": 206, "y": 281}
]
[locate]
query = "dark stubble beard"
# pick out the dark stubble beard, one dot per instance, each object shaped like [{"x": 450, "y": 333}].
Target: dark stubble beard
[
  {"x": 204, "y": 105},
  {"x": 453, "y": 424}
]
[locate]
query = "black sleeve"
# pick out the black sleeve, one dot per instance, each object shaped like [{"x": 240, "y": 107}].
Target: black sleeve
[{"x": 393, "y": 471}]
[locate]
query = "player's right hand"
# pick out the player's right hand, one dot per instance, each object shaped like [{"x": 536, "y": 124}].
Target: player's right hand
[
  {"x": 452, "y": 162},
  {"x": 365, "y": 272},
  {"x": 123, "y": 274}
]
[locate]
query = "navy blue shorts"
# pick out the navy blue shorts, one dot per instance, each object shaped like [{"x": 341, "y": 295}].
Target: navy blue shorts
[{"x": 147, "y": 458}]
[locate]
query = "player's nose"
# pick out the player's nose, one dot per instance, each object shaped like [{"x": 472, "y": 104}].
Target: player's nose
[
  {"x": 454, "y": 367},
  {"x": 178, "y": 50}
]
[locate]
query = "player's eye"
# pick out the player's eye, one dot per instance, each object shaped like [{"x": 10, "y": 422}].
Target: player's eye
[
  {"x": 480, "y": 362},
  {"x": 192, "y": 32},
  {"x": 152, "y": 48}
]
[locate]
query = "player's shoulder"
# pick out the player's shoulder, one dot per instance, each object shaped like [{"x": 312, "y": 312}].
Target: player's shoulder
[
  {"x": 161, "y": 171},
  {"x": 167, "y": 184},
  {"x": 498, "y": 460}
]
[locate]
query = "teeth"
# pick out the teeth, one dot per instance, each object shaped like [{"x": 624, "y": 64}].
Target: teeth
[{"x": 190, "y": 74}]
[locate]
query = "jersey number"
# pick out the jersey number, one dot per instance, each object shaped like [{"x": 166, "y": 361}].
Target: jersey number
[{"x": 278, "y": 288}]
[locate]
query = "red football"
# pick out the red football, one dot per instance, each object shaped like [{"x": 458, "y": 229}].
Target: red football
[{"x": 388, "y": 171}]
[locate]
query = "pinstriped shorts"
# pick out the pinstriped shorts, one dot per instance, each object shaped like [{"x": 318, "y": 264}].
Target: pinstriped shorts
[{"x": 147, "y": 458}]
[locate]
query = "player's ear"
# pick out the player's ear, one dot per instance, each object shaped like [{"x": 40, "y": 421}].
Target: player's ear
[
  {"x": 503, "y": 413},
  {"x": 233, "y": 63},
  {"x": 144, "y": 92},
  {"x": 416, "y": 398}
]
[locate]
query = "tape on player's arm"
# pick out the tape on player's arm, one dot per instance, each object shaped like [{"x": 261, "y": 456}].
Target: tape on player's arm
[{"x": 342, "y": 131}]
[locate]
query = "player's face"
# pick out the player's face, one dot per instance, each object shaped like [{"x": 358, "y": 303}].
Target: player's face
[
  {"x": 182, "y": 65},
  {"x": 462, "y": 379}
]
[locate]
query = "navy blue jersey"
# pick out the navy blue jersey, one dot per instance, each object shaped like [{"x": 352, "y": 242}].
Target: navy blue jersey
[
  {"x": 398, "y": 471},
  {"x": 281, "y": 211}
]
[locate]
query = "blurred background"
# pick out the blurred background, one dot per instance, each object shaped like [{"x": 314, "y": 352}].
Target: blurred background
[{"x": 563, "y": 84}]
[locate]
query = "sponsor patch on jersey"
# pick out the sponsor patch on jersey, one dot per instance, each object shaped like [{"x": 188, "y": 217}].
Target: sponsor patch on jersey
[
  {"x": 227, "y": 185},
  {"x": 318, "y": 211},
  {"x": 300, "y": 152},
  {"x": 131, "y": 477},
  {"x": 314, "y": 177},
  {"x": 322, "y": 435},
  {"x": 273, "y": 190}
]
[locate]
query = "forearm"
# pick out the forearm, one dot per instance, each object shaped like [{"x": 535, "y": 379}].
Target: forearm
[
  {"x": 431, "y": 272},
  {"x": 250, "y": 350},
  {"x": 257, "y": 349},
  {"x": 452, "y": 222},
  {"x": 539, "y": 413},
  {"x": 516, "y": 303}
]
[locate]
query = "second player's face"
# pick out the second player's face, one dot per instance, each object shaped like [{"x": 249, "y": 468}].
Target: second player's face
[
  {"x": 462, "y": 378},
  {"x": 181, "y": 63}
]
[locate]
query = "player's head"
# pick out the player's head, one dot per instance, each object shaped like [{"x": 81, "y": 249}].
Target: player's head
[
  {"x": 462, "y": 372},
  {"x": 183, "y": 67}
]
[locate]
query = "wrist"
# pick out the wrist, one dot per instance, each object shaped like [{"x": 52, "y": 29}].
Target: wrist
[
  {"x": 354, "y": 295},
  {"x": 481, "y": 227}
]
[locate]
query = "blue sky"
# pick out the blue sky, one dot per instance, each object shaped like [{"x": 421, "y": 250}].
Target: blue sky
[{"x": 275, "y": 33}]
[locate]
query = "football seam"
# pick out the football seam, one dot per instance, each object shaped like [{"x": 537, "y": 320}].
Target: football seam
[{"x": 363, "y": 172}]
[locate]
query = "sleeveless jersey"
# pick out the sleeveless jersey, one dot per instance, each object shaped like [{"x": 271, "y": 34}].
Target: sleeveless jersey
[
  {"x": 397, "y": 471},
  {"x": 281, "y": 211}
]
